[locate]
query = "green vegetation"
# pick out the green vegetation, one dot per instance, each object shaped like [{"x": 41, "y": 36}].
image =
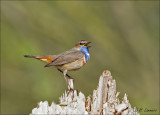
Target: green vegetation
[{"x": 125, "y": 40}]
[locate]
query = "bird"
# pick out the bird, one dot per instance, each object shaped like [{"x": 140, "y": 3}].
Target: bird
[{"x": 70, "y": 60}]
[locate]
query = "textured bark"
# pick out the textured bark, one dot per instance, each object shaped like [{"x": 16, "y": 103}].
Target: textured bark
[{"x": 104, "y": 101}]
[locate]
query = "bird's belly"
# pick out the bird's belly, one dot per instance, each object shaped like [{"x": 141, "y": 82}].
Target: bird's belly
[{"x": 73, "y": 65}]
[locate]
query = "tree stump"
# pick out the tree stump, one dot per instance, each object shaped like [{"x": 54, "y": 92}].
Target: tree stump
[{"x": 104, "y": 101}]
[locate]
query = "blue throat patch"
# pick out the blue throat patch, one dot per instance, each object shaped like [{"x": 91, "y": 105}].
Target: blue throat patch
[{"x": 85, "y": 50}]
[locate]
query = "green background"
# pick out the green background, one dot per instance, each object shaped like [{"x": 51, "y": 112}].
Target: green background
[{"x": 125, "y": 40}]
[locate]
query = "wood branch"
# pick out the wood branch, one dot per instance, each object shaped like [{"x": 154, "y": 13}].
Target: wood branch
[{"x": 104, "y": 101}]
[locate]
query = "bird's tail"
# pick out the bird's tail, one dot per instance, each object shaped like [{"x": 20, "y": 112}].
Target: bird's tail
[
  {"x": 30, "y": 56},
  {"x": 47, "y": 59}
]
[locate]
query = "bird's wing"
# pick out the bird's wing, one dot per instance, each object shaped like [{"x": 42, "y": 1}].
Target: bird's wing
[{"x": 66, "y": 57}]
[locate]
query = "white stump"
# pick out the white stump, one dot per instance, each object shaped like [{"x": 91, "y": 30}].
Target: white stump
[{"x": 104, "y": 101}]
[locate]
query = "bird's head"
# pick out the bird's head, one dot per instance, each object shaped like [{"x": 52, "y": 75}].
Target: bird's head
[{"x": 82, "y": 43}]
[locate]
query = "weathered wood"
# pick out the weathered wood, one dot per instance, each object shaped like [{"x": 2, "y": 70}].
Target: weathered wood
[
  {"x": 70, "y": 84},
  {"x": 104, "y": 101}
]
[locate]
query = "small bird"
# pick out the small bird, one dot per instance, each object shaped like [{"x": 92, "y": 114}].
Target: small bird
[{"x": 70, "y": 60}]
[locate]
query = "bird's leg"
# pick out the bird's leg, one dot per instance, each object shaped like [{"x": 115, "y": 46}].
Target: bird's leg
[
  {"x": 69, "y": 76},
  {"x": 69, "y": 81},
  {"x": 66, "y": 74}
]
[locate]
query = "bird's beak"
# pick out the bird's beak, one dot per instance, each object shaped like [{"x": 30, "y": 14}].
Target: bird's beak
[{"x": 86, "y": 44}]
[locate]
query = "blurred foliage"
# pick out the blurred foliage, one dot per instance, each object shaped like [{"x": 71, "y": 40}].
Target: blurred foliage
[{"x": 124, "y": 36}]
